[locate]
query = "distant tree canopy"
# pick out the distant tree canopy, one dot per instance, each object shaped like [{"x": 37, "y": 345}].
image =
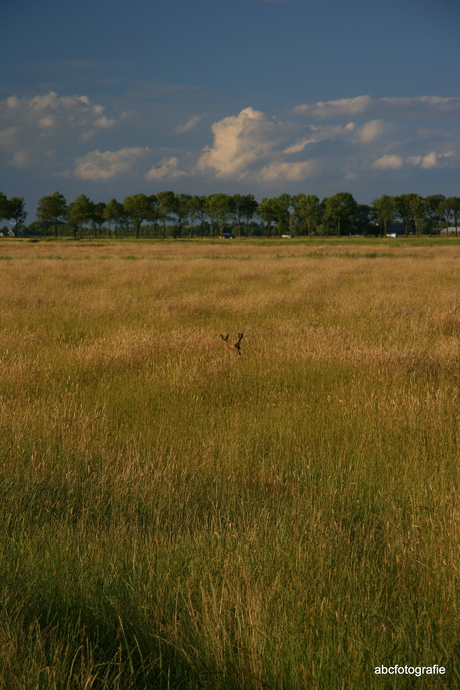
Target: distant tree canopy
[
  {"x": 307, "y": 212},
  {"x": 52, "y": 209},
  {"x": 340, "y": 209},
  {"x": 114, "y": 212},
  {"x": 302, "y": 214},
  {"x": 13, "y": 209},
  {"x": 80, "y": 212}
]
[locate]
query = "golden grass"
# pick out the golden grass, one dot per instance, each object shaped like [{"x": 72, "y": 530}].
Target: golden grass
[{"x": 175, "y": 517}]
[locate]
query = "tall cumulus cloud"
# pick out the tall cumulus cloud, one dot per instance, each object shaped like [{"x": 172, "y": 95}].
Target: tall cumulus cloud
[{"x": 345, "y": 139}]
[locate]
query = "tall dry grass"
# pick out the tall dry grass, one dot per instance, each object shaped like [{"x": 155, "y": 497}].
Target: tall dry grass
[{"x": 178, "y": 517}]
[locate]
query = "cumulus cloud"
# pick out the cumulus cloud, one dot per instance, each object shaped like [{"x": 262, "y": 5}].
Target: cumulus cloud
[
  {"x": 430, "y": 160},
  {"x": 421, "y": 106},
  {"x": 240, "y": 142},
  {"x": 20, "y": 160},
  {"x": 319, "y": 134},
  {"x": 8, "y": 137},
  {"x": 342, "y": 140},
  {"x": 29, "y": 127},
  {"x": 388, "y": 162},
  {"x": 189, "y": 125},
  {"x": 46, "y": 122},
  {"x": 330, "y": 109},
  {"x": 167, "y": 169},
  {"x": 372, "y": 130},
  {"x": 104, "y": 122},
  {"x": 100, "y": 166},
  {"x": 257, "y": 148},
  {"x": 282, "y": 170}
]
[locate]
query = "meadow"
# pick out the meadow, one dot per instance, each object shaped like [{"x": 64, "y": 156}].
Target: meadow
[{"x": 176, "y": 516}]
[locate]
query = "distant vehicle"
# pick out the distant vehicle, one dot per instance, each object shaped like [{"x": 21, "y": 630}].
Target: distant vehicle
[
  {"x": 228, "y": 236},
  {"x": 392, "y": 234}
]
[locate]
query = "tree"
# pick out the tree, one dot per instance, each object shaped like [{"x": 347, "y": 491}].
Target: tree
[
  {"x": 4, "y": 210},
  {"x": 249, "y": 208},
  {"x": 245, "y": 207},
  {"x": 364, "y": 218},
  {"x": 114, "y": 213},
  {"x": 219, "y": 208},
  {"x": 138, "y": 208},
  {"x": 166, "y": 206},
  {"x": 384, "y": 209},
  {"x": 181, "y": 210},
  {"x": 80, "y": 211},
  {"x": 195, "y": 209},
  {"x": 281, "y": 205},
  {"x": 403, "y": 209},
  {"x": 417, "y": 209},
  {"x": 153, "y": 214},
  {"x": 450, "y": 208},
  {"x": 201, "y": 212},
  {"x": 52, "y": 209},
  {"x": 267, "y": 211},
  {"x": 98, "y": 218},
  {"x": 307, "y": 212},
  {"x": 210, "y": 211},
  {"x": 434, "y": 210},
  {"x": 17, "y": 212},
  {"x": 341, "y": 208}
]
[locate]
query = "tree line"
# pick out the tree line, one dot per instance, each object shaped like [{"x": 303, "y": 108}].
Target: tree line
[{"x": 170, "y": 214}]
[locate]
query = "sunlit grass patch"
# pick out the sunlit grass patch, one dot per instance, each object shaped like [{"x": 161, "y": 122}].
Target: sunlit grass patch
[{"x": 178, "y": 516}]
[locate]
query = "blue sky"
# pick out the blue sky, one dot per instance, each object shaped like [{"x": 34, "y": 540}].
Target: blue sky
[{"x": 112, "y": 98}]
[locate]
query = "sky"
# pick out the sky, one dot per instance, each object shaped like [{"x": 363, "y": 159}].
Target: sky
[{"x": 110, "y": 98}]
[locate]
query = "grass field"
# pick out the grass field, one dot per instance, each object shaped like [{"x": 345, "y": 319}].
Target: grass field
[{"x": 175, "y": 516}]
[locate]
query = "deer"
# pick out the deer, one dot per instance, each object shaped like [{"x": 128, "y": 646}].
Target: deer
[{"x": 235, "y": 347}]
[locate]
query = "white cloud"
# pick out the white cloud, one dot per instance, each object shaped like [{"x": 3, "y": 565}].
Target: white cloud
[
  {"x": 31, "y": 126},
  {"x": 20, "y": 160},
  {"x": 351, "y": 176},
  {"x": 8, "y": 137},
  {"x": 167, "y": 169},
  {"x": 46, "y": 122},
  {"x": 104, "y": 122},
  {"x": 103, "y": 166},
  {"x": 300, "y": 145},
  {"x": 293, "y": 172},
  {"x": 329, "y": 109},
  {"x": 388, "y": 162},
  {"x": 240, "y": 142},
  {"x": 426, "y": 162},
  {"x": 429, "y": 161},
  {"x": 189, "y": 125},
  {"x": 323, "y": 133},
  {"x": 258, "y": 149},
  {"x": 421, "y": 106},
  {"x": 372, "y": 130},
  {"x": 12, "y": 103},
  {"x": 347, "y": 139}
]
